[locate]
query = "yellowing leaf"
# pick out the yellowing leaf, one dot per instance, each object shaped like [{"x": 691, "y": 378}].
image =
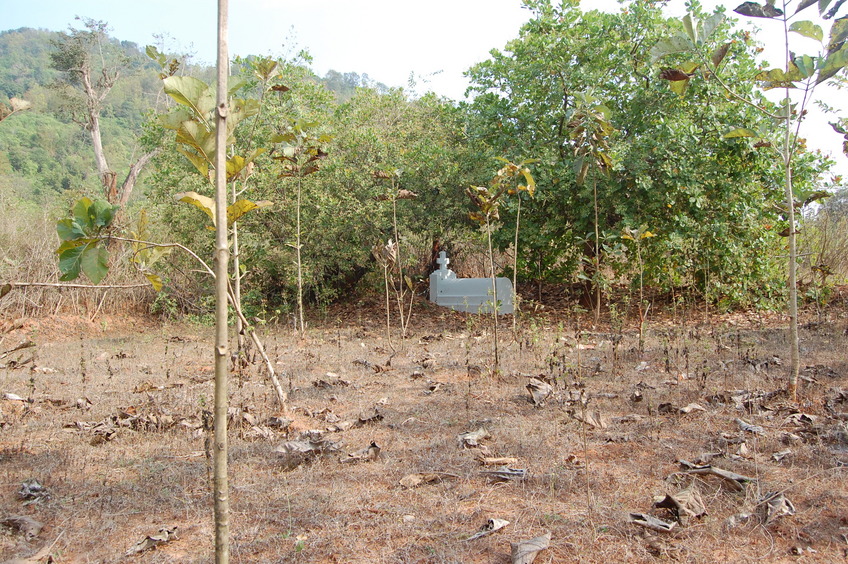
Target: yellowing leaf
[
  {"x": 205, "y": 203},
  {"x": 241, "y": 207},
  {"x": 739, "y": 132},
  {"x": 155, "y": 281}
]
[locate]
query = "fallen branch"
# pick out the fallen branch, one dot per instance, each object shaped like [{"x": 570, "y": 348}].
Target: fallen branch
[{"x": 23, "y": 345}]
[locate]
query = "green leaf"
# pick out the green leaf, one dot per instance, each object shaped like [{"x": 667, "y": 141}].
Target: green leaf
[
  {"x": 81, "y": 213},
  {"x": 70, "y": 261},
  {"x": 205, "y": 203},
  {"x": 838, "y": 34},
  {"x": 739, "y": 132},
  {"x": 834, "y": 63},
  {"x": 73, "y": 244},
  {"x": 102, "y": 213},
  {"x": 174, "y": 119},
  {"x": 147, "y": 257},
  {"x": 193, "y": 93},
  {"x": 95, "y": 263},
  {"x": 806, "y": 66},
  {"x": 263, "y": 68},
  {"x": 807, "y": 29},
  {"x": 197, "y": 160},
  {"x": 690, "y": 27},
  {"x": 198, "y": 137},
  {"x": 777, "y": 78},
  {"x": 709, "y": 25},
  {"x": 68, "y": 230},
  {"x": 237, "y": 209},
  {"x": 815, "y": 197},
  {"x": 823, "y": 4},
  {"x": 677, "y": 44},
  {"x": 234, "y": 84},
  {"x": 237, "y": 163},
  {"x": 679, "y": 86},
  {"x": 805, "y": 4}
]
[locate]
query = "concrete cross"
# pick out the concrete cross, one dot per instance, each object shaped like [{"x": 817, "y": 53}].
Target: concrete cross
[{"x": 443, "y": 260}]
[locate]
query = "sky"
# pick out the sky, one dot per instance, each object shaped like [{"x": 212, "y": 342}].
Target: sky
[{"x": 433, "y": 42}]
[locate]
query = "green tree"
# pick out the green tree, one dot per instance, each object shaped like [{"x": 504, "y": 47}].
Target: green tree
[
  {"x": 701, "y": 193},
  {"x": 299, "y": 157},
  {"x": 802, "y": 72},
  {"x": 590, "y": 132},
  {"x": 488, "y": 201}
]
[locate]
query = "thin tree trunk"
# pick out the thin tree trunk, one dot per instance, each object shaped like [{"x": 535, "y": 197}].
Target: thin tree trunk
[
  {"x": 237, "y": 281},
  {"x": 221, "y": 482},
  {"x": 388, "y": 308},
  {"x": 794, "y": 345},
  {"x": 516, "y": 301},
  {"x": 494, "y": 293},
  {"x": 597, "y": 254},
  {"x": 404, "y": 319},
  {"x": 299, "y": 264}
]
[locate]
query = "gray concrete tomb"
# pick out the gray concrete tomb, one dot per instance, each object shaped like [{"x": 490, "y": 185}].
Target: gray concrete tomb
[{"x": 471, "y": 295}]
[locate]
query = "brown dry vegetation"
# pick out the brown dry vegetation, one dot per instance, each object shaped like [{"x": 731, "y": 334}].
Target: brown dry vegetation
[{"x": 144, "y": 468}]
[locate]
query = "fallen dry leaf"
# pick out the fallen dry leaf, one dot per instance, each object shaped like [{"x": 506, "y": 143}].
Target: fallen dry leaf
[
  {"x": 367, "y": 454},
  {"x": 683, "y": 504},
  {"x": 539, "y": 391},
  {"x": 525, "y": 552},
  {"x": 491, "y": 526},
  {"x": 164, "y": 535},
  {"x": 472, "y": 438},
  {"x": 505, "y": 473}
]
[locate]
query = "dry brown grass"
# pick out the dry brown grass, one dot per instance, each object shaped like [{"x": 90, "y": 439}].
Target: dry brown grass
[
  {"x": 28, "y": 242},
  {"x": 106, "y": 497}
]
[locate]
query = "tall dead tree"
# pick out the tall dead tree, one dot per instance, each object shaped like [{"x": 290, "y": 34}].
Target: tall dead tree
[{"x": 90, "y": 69}]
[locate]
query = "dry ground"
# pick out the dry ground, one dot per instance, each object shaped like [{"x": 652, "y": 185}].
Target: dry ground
[{"x": 111, "y": 426}]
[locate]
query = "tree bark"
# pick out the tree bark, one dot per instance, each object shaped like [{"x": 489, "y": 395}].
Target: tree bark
[
  {"x": 221, "y": 482},
  {"x": 132, "y": 176}
]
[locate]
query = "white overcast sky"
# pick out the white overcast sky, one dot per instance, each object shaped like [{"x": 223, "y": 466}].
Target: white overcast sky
[{"x": 389, "y": 40}]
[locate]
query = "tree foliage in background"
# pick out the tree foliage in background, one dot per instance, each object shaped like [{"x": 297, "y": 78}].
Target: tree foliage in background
[
  {"x": 668, "y": 161},
  {"x": 800, "y": 72},
  {"x": 707, "y": 198}
]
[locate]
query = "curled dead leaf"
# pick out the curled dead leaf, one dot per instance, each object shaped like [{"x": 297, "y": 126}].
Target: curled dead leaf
[
  {"x": 472, "y": 438},
  {"x": 165, "y": 535},
  {"x": 539, "y": 391}
]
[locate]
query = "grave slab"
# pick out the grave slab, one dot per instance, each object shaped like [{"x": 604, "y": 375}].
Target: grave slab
[{"x": 469, "y": 295}]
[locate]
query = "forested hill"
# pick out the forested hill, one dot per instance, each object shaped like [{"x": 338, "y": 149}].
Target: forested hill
[{"x": 43, "y": 153}]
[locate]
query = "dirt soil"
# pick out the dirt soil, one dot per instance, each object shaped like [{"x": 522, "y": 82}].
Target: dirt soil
[{"x": 103, "y": 447}]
